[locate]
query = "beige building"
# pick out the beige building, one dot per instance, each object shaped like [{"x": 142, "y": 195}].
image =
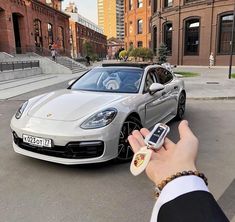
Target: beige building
[{"x": 111, "y": 17}]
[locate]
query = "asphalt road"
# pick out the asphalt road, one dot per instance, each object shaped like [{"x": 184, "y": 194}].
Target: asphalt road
[{"x": 34, "y": 190}]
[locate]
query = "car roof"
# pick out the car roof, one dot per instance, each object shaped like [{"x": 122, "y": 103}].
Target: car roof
[{"x": 128, "y": 64}]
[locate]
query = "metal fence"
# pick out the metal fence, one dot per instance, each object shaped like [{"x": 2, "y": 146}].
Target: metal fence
[{"x": 18, "y": 65}]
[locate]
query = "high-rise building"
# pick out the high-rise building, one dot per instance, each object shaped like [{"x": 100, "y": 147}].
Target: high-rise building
[{"x": 111, "y": 17}]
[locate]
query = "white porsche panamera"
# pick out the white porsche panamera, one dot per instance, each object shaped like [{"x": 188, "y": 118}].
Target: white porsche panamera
[{"x": 90, "y": 121}]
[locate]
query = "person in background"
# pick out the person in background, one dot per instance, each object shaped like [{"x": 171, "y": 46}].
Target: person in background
[
  {"x": 211, "y": 60},
  {"x": 88, "y": 59},
  {"x": 53, "y": 54},
  {"x": 182, "y": 191}
]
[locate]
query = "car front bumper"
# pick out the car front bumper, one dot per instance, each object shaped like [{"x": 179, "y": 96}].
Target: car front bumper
[{"x": 70, "y": 146}]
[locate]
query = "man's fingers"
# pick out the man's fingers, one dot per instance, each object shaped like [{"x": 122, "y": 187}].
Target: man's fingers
[
  {"x": 134, "y": 143},
  {"x": 144, "y": 132},
  {"x": 184, "y": 130},
  {"x": 139, "y": 137}
]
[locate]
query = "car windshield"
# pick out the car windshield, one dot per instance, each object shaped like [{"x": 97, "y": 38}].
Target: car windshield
[{"x": 111, "y": 79}]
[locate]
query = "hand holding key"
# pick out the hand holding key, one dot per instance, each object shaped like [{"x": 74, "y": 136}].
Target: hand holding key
[{"x": 173, "y": 158}]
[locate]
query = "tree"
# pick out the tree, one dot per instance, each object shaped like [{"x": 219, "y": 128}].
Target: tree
[
  {"x": 162, "y": 53},
  {"x": 87, "y": 49}
]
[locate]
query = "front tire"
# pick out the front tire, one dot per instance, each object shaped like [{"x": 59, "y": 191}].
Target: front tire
[
  {"x": 181, "y": 106},
  {"x": 124, "y": 149}
]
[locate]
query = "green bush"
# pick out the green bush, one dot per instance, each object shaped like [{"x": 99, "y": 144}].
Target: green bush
[{"x": 143, "y": 53}]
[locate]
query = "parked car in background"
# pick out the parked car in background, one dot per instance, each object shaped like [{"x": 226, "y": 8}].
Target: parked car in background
[{"x": 90, "y": 121}]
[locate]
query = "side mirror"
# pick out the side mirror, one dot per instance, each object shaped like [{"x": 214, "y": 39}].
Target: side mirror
[
  {"x": 155, "y": 87},
  {"x": 71, "y": 82}
]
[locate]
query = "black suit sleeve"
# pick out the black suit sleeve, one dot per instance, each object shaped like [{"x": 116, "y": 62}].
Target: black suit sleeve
[{"x": 197, "y": 206}]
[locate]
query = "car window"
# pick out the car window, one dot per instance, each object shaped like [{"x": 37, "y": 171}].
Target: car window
[
  {"x": 150, "y": 79},
  {"x": 164, "y": 76},
  {"x": 112, "y": 79}
]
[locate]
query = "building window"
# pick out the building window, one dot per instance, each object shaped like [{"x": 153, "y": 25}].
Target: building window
[
  {"x": 154, "y": 6},
  {"x": 130, "y": 5},
  {"x": 192, "y": 36},
  {"x": 168, "y": 36},
  {"x": 38, "y": 33},
  {"x": 140, "y": 26},
  {"x": 149, "y": 25},
  {"x": 154, "y": 40},
  {"x": 139, "y": 44},
  {"x": 139, "y": 3},
  {"x": 226, "y": 23},
  {"x": 50, "y": 34},
  {"x": 61, "y": 37},
  {"x": 168, "y": 3}
]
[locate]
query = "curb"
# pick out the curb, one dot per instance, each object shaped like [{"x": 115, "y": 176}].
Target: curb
[{"x": 212, "y": 98}]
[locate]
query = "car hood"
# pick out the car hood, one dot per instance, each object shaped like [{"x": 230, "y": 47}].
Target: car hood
[{"x": 70, "y": 105}]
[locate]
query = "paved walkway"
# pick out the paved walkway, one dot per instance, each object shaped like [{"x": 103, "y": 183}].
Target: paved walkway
[
  {"x": 211, "y": 84},
  {"x": 12, "y": 88}
]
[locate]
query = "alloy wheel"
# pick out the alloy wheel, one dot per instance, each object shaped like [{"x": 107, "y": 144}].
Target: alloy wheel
[{"x": 124, "y": 149}]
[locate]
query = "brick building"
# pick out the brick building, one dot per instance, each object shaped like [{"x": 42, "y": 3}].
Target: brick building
[
  {"x": 32, "y": 25},
  {"x": 137, "y": 23},
  {"x": 83, "y": 31},
  {"x": 192, "y": 29}
]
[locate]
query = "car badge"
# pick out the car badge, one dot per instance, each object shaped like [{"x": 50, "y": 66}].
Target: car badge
[
  {"x": 139, "y": 160},
  {"x": 49, "y": 115}
]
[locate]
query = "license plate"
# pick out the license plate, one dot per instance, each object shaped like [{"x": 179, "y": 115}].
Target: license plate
[{"x": 37, "y": 141}]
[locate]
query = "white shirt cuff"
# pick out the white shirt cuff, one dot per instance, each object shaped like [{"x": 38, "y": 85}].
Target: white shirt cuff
[{"x": 176, "y": 188}]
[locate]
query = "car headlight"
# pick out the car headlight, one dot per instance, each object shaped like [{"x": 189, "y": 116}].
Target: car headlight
[
  {"x": 21, "y": 110},
  {"x": 100, "y": 119}
]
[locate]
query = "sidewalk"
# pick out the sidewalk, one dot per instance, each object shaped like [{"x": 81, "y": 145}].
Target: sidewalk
[{"x": 211, "y": 84}]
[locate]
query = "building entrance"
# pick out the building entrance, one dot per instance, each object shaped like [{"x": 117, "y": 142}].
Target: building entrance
[{"x": 15, "y": 18}]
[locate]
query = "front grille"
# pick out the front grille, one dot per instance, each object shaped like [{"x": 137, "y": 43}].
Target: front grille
[{"x": 73, "y": 150}]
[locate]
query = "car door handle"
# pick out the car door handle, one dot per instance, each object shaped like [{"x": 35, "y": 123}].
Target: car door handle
[
  {"x": 163, "y": 93},
  {"x": 176, "y": 87}
]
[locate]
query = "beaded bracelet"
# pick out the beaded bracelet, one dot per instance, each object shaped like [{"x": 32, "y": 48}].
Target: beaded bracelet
[{"x": 161, "y": 185}]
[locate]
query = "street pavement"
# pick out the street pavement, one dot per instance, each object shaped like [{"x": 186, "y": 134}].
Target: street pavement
[
  {"x": 39, "y": 191},
  {"x": 34, "y": 190}
]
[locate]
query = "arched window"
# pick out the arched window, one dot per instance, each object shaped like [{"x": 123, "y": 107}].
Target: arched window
[
  {"x": 139, "y": 3},
  {"x": 226, "y": 22},
  {"x": 139, "y": 26},
  {"x": 38, "y": 33},
  {"x": 192, "y": 37},
  {"x": 167, "y": 28},
  {"x": 50, "y": 34},
  {"x": 168, "y": 3},
  {"x": 61, "y": 37}
]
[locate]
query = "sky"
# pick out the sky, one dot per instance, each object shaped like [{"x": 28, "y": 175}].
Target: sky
[{"x": 87, "y": 8}]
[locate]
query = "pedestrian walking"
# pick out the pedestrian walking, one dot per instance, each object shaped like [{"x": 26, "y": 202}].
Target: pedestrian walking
[
  {"x": 53, "y": 54},
  {"x": 88, "y": 59},
  {"x": 211, "y": 60}
]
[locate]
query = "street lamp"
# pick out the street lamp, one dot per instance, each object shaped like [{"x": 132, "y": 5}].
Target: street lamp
[{"x": 232, "y": 43}]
